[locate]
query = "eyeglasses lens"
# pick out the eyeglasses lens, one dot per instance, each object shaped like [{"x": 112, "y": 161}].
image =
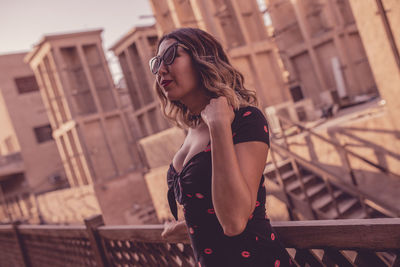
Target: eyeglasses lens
[
  {"x": 168, "y": 58},
  {"x": 169, "y": 55}
]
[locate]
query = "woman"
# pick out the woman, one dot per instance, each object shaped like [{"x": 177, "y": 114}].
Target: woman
[{"x": 217, "y": 173}]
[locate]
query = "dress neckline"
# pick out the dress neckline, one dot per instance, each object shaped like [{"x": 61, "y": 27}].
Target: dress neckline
[
  {"x": 187, "y": 163},
  {"x": 199, "y": 153}
]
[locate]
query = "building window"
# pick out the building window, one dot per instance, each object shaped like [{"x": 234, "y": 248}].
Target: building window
[
  {"x": 26, "y": 84},
  {"x": 296, "y": 93},
  {"x": 43, "y": 133}
]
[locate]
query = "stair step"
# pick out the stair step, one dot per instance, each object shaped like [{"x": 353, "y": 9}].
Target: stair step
[
  {"x": 287, "y": 175},
  {"x": 343, "y": 206},
  {"x": 297, "y": 184},
  {"x": 314, "y": 190},
  {"x": 270, "y": 167},
  {"x": 347, "y": 205},
  {"x": 356, "y": 214},
  {"x": 325, "y": 200}
]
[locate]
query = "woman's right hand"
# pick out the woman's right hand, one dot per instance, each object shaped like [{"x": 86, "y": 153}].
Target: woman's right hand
[{"x": 174, "y": 231}]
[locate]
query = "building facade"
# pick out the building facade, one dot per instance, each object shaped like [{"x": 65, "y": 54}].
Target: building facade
[
  {"x": 321, "y": 48},
  {"x": 29, "y": 160},
  {"x": 239, "y": 26},
  {"x": 90, "y": 128},
  {"x": 134, "y": 51},
  {"x": 379, "y": 24},
  {"x": 26, "y": 134},
  {"x": 91, "y": 133}
]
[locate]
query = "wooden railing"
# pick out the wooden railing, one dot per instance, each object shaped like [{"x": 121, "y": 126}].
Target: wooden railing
[
  {"x": 345, "y": 152},
  {"x": 330, "y": 179},
  {"x": 368, "y": 242}
]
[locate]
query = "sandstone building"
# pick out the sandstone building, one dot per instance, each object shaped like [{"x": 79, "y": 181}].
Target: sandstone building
[
  {"x": 90, "y": 128},
  {"x": 134, "y": 51},
  {"x": 313, "y": 58},
  {"x": 239, "y": 26},
  {"x": 321, "y": 48},
  {"x": 29, "y": 160},
  {"x": 379, "y": 24}
]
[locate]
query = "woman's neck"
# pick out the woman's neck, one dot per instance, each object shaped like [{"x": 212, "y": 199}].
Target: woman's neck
[{"x": 196, "y": 103}]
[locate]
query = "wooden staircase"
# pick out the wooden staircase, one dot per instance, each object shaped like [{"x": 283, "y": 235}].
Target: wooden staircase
[{"x": 313, "y": 193}]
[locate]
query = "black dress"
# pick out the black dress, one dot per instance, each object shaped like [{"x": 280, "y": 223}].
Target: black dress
[{"x": 258, "y": 244}]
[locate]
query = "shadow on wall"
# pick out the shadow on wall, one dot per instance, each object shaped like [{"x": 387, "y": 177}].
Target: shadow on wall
[{"x": 383, "y": 156}]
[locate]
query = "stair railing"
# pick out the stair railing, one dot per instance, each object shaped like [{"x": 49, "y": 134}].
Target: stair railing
[
  {"x": 345, "y": 152},
  {"x": 365, "y": 198},
  {"x": 300, "y": 179}
]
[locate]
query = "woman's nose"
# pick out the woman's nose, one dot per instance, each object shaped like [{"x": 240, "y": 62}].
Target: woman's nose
[{"x": 163, "y": 68}]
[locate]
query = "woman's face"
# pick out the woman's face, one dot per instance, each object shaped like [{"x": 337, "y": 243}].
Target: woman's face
[{"x": 179, "y": 79}]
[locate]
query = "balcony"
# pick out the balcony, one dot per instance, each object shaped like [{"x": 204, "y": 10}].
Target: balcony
[
  {"x": 355, "y": 242},
  {"x": 11, "y": 164}
]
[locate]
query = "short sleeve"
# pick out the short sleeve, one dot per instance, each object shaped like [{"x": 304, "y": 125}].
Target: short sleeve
[{"x": 250, "y": 124}]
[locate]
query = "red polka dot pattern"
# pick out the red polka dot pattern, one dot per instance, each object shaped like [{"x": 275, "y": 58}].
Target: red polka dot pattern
[
  {"x": 248, "y": 125},
  {"x": 245, "y": 254},
  {"x": 208, "y": 250},
  {"x": 199, "y": 195},
  {"x": 247, "y": 113},
  {"x": 211, "y": 211},
  {"x": 208, "y": 148}
]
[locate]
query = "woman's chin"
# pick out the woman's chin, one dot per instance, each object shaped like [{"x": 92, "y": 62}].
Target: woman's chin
[{"x": 171, "y": 97}]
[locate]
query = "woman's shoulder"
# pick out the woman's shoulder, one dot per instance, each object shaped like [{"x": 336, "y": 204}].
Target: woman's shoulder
[
  {"x": 250, "y": 124},
  {"x": 248, "y": 110}
]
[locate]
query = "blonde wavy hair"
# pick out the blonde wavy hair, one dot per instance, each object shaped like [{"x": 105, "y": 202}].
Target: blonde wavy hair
[{"x": 217, "y": 76}]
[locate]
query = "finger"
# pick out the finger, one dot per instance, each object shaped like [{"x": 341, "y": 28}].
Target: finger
[{"x": 165, "y": 234}]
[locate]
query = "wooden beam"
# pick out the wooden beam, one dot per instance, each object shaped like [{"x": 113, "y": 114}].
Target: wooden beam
[{"x": 95, "y": 241}]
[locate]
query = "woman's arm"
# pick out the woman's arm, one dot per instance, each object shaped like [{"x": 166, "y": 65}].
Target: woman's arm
[
  {"x": 236, "y": 172},
  {"x": 236, "y": 169}
]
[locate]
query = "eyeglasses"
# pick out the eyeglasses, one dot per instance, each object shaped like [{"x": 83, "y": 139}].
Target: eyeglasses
[{"x": 168, "y": 57}]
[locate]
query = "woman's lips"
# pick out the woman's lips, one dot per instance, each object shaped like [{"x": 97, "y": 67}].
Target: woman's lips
[{"x": 165, "y": 83}]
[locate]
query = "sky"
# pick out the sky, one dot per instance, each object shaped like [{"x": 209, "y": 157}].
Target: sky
[{"x": 24, "y": 22}]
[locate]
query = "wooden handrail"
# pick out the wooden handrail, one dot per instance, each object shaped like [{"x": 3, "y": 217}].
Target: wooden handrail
[
  {"x": 143, "y": 245},
  {"x": 339, "y": 146},
  {"x": 376, "y": 234},
  {"x": 337, "y": 181}
]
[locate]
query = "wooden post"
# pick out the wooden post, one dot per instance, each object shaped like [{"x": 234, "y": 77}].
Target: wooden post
[
  {"x": 280, "y": 181},
  {"x": 20, "y": 245},
  {"x": 303, "y": 187},
  {"x": 95, "y": 241},
  {"x": 348, "y": 166},
  {"x": 284, "y": 134}
]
